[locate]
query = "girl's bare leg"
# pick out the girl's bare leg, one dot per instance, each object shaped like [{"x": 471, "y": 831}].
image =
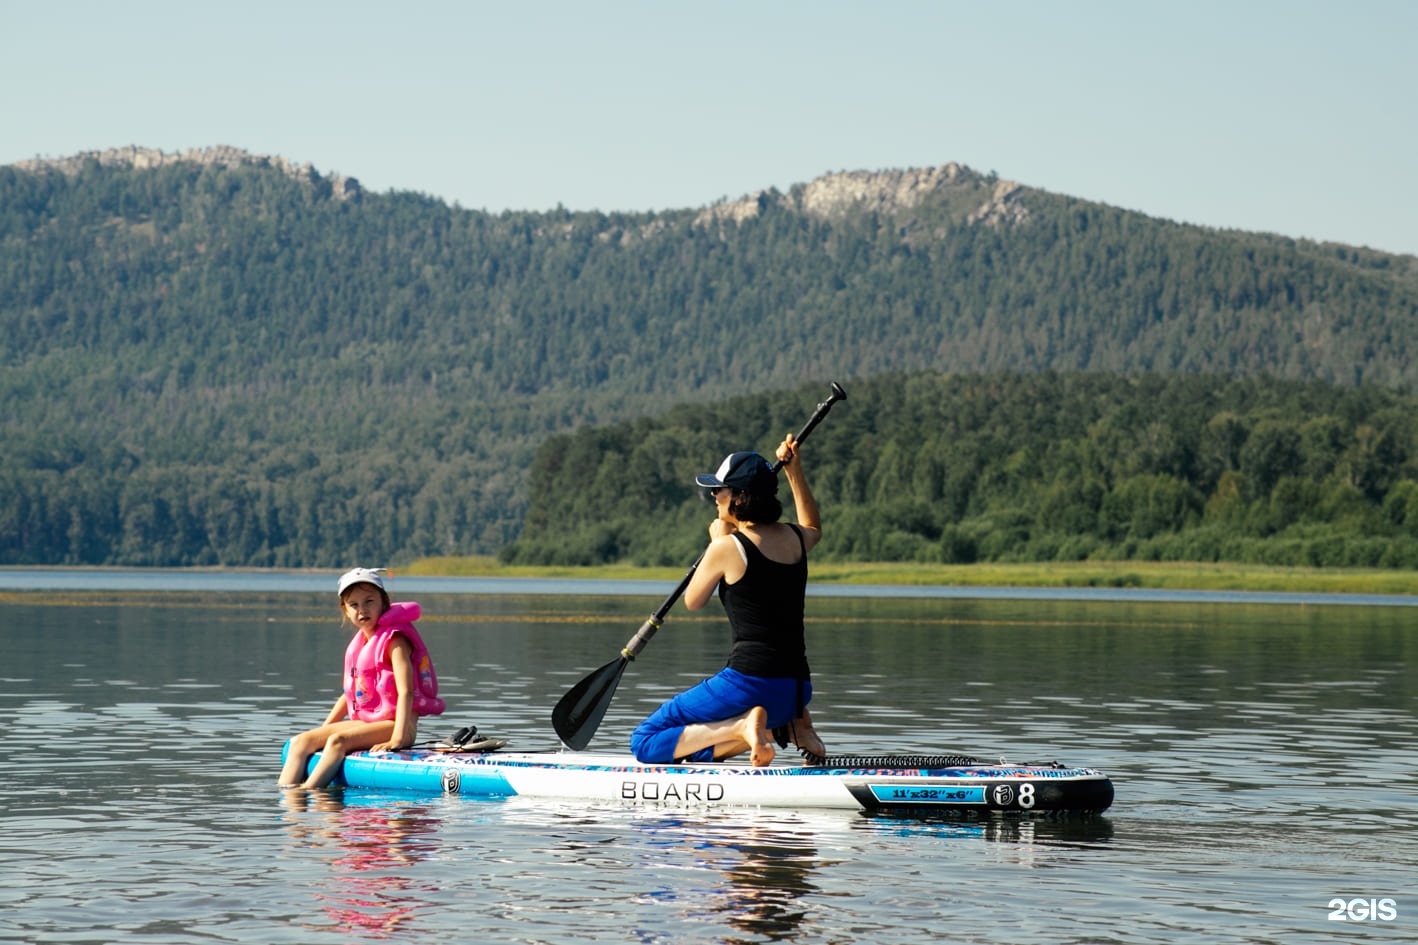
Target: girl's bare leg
[
  {"x": 298, "y": 754},
  {"x": 333, "y": 742}
]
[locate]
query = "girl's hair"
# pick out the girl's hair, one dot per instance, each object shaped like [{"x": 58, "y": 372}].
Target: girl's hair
[{"x": 760, "y": 508}]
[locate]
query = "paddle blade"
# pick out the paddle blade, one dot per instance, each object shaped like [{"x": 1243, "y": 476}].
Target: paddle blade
[{"x": 579, "y": 713}]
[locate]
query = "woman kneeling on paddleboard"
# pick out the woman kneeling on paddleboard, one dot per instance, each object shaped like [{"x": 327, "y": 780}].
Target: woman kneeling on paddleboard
[
  {"x": 388, "y": 683},
  {"x": 759, "y": 566}
]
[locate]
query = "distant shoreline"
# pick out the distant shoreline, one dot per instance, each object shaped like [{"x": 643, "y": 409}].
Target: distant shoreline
[
  {"x": 1192, "y": 576},
  {"x": 1141, "y": 575},
  {"x": 1090, "y": 581}
]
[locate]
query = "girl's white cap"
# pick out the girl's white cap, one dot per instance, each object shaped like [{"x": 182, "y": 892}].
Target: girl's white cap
[{"x": 353, "y": 576}]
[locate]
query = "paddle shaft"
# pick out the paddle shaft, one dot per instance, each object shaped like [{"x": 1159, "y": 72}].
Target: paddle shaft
[{"x": 649, "y": 627}]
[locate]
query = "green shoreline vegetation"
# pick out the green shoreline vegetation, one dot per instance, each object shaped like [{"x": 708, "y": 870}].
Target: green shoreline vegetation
[{"x": 1138, "y": 574}]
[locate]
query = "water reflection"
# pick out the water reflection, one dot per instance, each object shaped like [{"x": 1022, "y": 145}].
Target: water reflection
[
  {"x": 372, "y": 847},
  {"x": 760, "y": 876},
  {"x": 1027, "y": 833},
  {"x": 767, "y": 877},
  {"x": 762, "y": 869}
]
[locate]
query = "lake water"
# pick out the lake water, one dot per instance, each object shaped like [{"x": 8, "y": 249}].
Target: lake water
[{"x": 1262, "y": 752}]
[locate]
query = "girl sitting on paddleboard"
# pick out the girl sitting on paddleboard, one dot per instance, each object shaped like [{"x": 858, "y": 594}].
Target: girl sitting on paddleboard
[
  {"x": 759, "y": 566},
  {"x": 388, "y": 683}
]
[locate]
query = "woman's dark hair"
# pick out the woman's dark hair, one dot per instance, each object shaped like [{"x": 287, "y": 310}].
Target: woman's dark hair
[{"x": 760, "y": 508}]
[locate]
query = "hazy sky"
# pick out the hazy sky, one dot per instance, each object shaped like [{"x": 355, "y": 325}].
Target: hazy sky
[{"x": 1292, "y": 117}]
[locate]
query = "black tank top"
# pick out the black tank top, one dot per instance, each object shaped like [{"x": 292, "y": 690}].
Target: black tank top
[{"x": 765, "y": 609}]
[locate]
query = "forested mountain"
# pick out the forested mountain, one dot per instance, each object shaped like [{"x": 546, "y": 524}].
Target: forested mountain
[{"x": 222, "y": 358}]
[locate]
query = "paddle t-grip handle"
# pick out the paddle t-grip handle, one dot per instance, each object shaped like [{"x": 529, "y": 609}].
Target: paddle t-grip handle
[{"x": 837, "y": 394}]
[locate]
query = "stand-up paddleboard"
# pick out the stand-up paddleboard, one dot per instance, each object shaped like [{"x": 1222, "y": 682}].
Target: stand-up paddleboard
[{"x": 872, "y": 783}]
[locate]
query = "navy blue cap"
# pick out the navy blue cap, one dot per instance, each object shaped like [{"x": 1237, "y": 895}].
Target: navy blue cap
[{"x": 743, "y": 470}]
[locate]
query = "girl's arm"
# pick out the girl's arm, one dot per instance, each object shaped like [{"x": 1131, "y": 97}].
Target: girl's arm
[
  {"x": 405, "y": 721},
  {"x": 339, "y": 712}
]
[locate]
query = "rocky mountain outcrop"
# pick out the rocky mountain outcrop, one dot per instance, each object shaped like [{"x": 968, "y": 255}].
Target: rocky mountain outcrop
[
  {"x": 341, "y": 186},
  {"x": 831, "y": 195},
  {"x": 885, "y": 192}
]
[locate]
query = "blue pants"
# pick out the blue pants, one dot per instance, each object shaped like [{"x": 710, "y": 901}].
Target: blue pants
[{"x": 722, "y": 696}]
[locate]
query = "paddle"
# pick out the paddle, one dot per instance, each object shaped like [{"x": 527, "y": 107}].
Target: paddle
[{"x": 577, "y": 716}]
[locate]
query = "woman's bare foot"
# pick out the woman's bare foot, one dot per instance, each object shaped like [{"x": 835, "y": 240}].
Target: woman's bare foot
[
  {"x": 806, "y": 737},
  {"x": 760, "y": 743}
]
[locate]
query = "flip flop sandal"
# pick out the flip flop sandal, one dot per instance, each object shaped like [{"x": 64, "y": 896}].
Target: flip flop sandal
[
  {"x": 456, "y": 741},
  {"x": 474, "y": 745}
]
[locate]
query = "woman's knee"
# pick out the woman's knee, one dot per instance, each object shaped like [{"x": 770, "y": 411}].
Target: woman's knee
[
  {"x": 653, "y": 746},
  {"x": 639, "y": 743}
]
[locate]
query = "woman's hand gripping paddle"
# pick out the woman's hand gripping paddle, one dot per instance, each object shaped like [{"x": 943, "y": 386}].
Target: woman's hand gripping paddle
[{"x": 577, "y": 716}]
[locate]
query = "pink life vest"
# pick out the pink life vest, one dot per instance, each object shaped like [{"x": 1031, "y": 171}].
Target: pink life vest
[{"x": 371, "y": 695}]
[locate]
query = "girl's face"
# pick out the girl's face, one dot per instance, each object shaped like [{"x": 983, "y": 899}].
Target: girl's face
[{"x": 362, "y": 605}]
